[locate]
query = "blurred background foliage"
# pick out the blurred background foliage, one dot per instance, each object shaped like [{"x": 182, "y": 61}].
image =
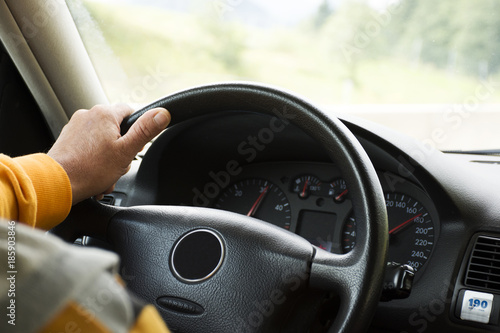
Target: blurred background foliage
[{"x": 344, "y": 52}]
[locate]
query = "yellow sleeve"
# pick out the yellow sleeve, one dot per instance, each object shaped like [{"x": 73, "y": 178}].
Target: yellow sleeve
[
  {"x": 35, "y": 190},
  {"x": 81, "y": 320},
  {"x": 149, "y": 320}
]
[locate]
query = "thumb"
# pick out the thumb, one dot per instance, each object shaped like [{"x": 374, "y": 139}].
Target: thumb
[{"x": 145, "y": 129}]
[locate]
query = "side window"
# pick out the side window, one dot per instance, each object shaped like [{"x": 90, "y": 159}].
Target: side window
[{"x": 23, "y": 129}]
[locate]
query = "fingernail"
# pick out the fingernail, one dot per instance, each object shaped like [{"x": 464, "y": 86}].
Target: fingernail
[{"x": 161, "y": 119}]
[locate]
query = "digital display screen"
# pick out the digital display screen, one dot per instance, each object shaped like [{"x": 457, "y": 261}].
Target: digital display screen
[{"x": 318, "y": 228}]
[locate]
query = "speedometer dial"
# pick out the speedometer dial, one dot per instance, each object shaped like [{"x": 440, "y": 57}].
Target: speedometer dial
[{"x": 411, "y": 230}]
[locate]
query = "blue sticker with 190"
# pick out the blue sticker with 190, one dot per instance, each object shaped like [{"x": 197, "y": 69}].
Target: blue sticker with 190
[
  {"x": 476, "y": 306},
  {"x": 475, "y": 302}
]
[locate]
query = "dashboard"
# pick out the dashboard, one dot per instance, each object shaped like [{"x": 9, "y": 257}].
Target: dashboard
[
  {"x": 313, "y": 201},
  {"x": 438, "y": 204}
]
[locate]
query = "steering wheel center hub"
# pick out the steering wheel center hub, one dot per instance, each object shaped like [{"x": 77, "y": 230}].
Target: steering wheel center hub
[{"x": 197, "y": 255}]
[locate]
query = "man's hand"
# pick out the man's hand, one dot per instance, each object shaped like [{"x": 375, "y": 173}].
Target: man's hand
[{"x": 94, "y": 154}]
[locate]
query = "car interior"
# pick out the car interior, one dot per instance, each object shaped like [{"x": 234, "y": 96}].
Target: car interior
[{"x": 257, "y": 211}]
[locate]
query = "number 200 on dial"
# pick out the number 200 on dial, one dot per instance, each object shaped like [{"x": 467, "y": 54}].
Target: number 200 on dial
[{"x": 411, "y": 230}]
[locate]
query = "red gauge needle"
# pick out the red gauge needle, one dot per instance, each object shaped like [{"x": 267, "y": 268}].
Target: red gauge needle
[
  {"x": 303, "y": 193},
  {"x": 399, "y": 227},
  {"x": 257, "y": 202},
  {"x": 338, "y": 197}
]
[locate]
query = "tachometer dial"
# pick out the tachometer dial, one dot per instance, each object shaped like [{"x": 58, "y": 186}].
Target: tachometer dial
[{"x": 258, "y": 198}]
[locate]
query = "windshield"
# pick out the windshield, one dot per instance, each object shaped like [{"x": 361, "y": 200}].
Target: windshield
[{"x": 427, "y": 68}]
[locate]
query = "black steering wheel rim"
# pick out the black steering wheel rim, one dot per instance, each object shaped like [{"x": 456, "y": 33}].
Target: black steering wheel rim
[{"x": 356, "y": 277}]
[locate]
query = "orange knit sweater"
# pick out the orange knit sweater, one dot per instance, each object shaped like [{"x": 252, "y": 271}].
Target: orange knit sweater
[{"x": 34, "y": 190}]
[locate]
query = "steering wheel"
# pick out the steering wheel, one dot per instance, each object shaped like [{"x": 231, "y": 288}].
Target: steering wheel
[{"x": 208, "y": 270}]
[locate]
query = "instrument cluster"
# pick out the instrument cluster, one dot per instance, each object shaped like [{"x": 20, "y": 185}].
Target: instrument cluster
[{"x": 313, "y": 201}]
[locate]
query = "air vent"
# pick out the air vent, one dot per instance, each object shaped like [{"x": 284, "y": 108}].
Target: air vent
[
  {"x": 108, "y": 200},
  {"x": 484, "y": 264}
]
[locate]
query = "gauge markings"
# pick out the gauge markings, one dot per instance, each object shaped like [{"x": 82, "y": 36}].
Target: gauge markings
[
  {"x": 411, "y": 231},
  {"x": 257, "y": 198},
  {"x": 402, "y": 225},
  {"x": 305, "y": 186}
]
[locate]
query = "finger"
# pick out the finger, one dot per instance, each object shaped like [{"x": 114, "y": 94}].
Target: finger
[
  {"x": 122, "y": 110},
  {"x": 109, "y": 190},
  {"x": 145, "y": 129}
]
